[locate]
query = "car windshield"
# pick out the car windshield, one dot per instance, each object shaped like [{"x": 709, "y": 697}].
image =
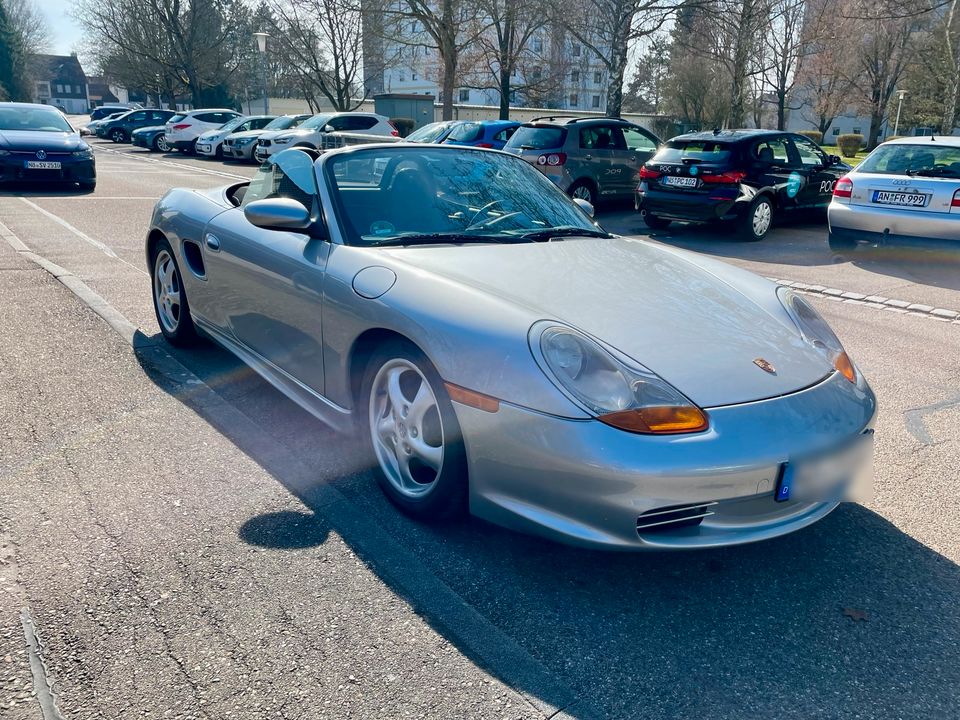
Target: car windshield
[
  {"x": 417, "y": 194},
  {"x": 428, "y": 133},
  {"x": 317, "y": 121},
  {"x": 676, "y": 151},
  {"x": 537, "y": 137},
  {"x": 281, "y": 123},
  {"x": 231, "y": 124},
  {"x": 922, "y": 158},
  {"x": 33, "y": 118}
]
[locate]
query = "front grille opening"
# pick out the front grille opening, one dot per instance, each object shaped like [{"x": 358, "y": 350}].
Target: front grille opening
[{"x": 673, "y": 517}]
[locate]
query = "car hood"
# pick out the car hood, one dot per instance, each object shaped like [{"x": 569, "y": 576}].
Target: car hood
[
  {"x": 690, "y": 325},
  {"x": 40, "y": 140},
  {"x": 254, "y": 133},
  {"x": 268, "y": 134},
  {"x": 213, "y": 136},
  {"x": 296, "y": 132}
]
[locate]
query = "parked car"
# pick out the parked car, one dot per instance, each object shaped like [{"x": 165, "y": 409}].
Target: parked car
[
  {"x": 120, "y": 129},
  {"x": 905, "y": 189},
  {"x": 153, "y": 138},
  {"x": 103, "y": 111},
  {"x": 183, "y": 129},
  {"x": 310, "y": 133},
  {"x": 588, "y": 158},
  {"x": 38, "y": 144},
  {"x": 500, "y": 352},
  {"x": 434, "y": 132},
  {"x": 744, "y": 178},
  {"x": 210, "y": 144},
  {"x": 240, "y": 146},
  {"x": 91, "y": 127},
  {"x": 482, "y": 133}
]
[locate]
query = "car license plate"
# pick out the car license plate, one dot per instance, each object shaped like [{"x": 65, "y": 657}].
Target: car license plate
[
  {"x": 843, "y": 474},
  {"x": 674, "y": 181},
  {"x": 41, "y": 165},
  {"x": 203, "y": 148},
  {"x": 885, "y": 197}
]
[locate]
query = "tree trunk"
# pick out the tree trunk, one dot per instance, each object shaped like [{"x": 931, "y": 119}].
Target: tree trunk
[
  {"x": 618, "y": 65},
  {"x": 953, "y": 82},
  {"x": 447, "y": 47},
  {"x": 876, "y": 124},
  {"x": 781, "y": 110},
  {"x": 505, "y": 93}
]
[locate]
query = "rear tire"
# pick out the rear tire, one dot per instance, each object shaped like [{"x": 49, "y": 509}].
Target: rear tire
[
  {"x": 756, "y": 222},
  {"x": 160, "y": 143},
  {"x": 655, "y": 223},
  {"x": 583, "y": 190},
  {"x": 409, "y": 423},
  {"x": 170, "y": 298}
]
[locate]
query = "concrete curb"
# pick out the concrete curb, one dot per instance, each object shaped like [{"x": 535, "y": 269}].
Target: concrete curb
[{"x": 874, "y": 301}]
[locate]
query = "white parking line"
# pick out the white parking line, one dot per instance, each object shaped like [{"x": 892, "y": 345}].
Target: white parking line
[
  {"x": 167, "y": 163},
  {"x": 106, "y": 250}
]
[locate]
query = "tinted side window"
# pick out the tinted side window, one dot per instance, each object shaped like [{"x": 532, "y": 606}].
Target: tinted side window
[
  {"x": 598, "y": 137},
  {"x": 288, "y": 174},
  {"x": 137, "y": 116},
  {"x": 771, "y": 151},
  {"x": 809, "y": 153},
  {"x": 206, "y": 117},
  {"x": 259, "y": 123},
  {"x": 638, "y": 140}
]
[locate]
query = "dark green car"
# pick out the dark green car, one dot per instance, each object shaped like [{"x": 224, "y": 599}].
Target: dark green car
[{"x": 120, "y": 129}]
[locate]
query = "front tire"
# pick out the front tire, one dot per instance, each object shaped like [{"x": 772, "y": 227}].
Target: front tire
[
  {"x": 118, "y": 136},
  {"x": 170, "y": 298},
  {"x": 413, "y": 431},
  {"x": 756, "y": 222}
]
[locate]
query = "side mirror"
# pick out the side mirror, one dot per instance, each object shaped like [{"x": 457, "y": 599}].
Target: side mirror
[
  {"x": 278, "y": 214},
  {"x": 835, "y": 159},
  {"x": 584, "y": 205},
  {"x": 329, "y": 128}
]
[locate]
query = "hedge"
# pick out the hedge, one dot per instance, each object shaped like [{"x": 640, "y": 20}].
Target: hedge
[
  {"x": 814, "y": 135},
  {"x": 850, "y": 144}
]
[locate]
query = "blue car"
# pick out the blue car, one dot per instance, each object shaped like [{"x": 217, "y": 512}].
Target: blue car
[{"x": 482, "y": 133}]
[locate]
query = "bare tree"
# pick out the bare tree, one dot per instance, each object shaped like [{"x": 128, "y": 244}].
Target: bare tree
[
  {"x": 323, "y": 39},
  {"x": 787, "y": 44},
  {"x": 823, "y": 81},
  {"x": 448, "y": 27},
  {"x": 29, "y": 22},
  {"x": 196, "y": 42},
  {"x": 610, "y": 29}
]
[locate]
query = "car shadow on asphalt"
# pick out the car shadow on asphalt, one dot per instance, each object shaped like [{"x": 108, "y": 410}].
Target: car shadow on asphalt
[
  {"x": 803, "y": 241},
  {"x": 848, "y": 618},
  {"x": 43, "y": 189}
]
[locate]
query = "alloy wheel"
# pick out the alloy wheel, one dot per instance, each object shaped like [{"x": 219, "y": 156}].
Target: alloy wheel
[
  {"x": 582, "y": 192},
  {"x": 762, "y": 217},
  {"x": 162, "y": 144},
  {"x": 117, "y": 136},
  {"x": 406, "y": 428},
  {"x": 167, "y": 291}
]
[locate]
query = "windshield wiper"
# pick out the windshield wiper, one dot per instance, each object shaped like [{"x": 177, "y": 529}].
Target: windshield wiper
[
  {"x": 935, "y": 171},
  {"x": 548, "y": 233},
  {"x": 442, "y": 237}
]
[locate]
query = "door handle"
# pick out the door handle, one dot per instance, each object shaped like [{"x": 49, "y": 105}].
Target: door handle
[{"x": 213, "y": 242}]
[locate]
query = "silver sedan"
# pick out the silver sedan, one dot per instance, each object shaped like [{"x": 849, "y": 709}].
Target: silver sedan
[
  {"x": 908, "y": 188},
  {"x": 500, "y": 353}
]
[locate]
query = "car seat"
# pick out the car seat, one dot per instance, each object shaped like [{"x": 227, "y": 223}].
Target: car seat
[
  {"x": 765, "y": 154},
  {"x": 412, "y": 198}
]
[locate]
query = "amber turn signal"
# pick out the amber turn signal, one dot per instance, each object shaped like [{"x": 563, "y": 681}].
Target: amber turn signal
[
  {"x": 473, "y": 399},
  {"x": 844, "y": 366},
  {"x": 661, "y": 420}
]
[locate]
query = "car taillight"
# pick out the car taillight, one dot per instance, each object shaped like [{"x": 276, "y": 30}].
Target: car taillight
[
  {"x": 648, "y": 173},
  {"x": 395, "y": 133},
  {"x": 553, "y": 159},
  {"x": 181, "y": 126},
  {"x": 731, "y": 177},
  {"x": 484, "y": 145},
  {"x": 843, "y": 188},
  {"x": 956, "y": 200}
]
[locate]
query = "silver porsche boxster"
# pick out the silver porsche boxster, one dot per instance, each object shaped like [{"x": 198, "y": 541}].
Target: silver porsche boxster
[{"x": 501, "y": 353}]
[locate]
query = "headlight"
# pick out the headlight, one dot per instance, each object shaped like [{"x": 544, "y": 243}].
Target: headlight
[
  {"x": 282, "y": 141},
  {"x": 817, "y": 333},
  {"x": 84, "y": 154},
  {"x": 613, "y": 389}
]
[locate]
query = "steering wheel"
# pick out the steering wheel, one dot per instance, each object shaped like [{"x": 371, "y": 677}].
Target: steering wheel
[
  {"x": 477, "y": 214},
  {"x": 493, "y": 221}
]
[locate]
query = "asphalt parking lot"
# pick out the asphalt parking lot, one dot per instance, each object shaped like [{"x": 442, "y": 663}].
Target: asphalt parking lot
[{"x": 187, "y": 543}]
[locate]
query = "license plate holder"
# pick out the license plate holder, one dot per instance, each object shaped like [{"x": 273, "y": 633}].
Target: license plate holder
[
  {"x": 843, "y": 473},
  {"x": 681, "y": 182},
  {"x": 41, "y": 165},
  {"x": 903, "y": 199}
]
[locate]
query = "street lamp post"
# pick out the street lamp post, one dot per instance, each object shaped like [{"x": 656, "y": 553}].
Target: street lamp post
[
  {"x": 261, "y": 38},
  {"x": 896, "y": 125}
]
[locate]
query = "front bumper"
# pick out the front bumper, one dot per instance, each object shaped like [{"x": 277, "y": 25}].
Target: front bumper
[
  {"x": 239, "y": 152},
  {"x": 889, "y": 224},
  {"x": 584, "y": 483},
  {"x": 207, "y": 149},
  {"x": 13, "y": 170}
]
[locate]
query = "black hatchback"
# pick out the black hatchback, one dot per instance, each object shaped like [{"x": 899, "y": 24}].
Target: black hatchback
[{"x": 740, "y": 177}]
